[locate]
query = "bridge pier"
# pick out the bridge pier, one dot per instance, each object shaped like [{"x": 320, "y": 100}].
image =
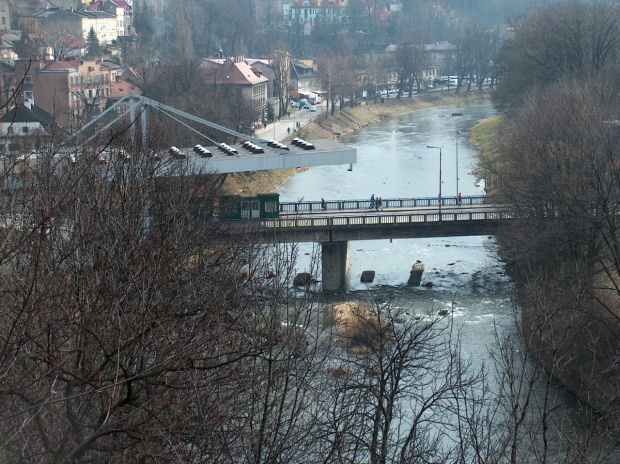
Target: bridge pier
[{"x": 334, "y": 264}]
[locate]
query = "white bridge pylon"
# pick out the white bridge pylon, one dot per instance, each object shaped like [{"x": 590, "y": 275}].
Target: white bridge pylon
[{"x": 138, "y": 103}]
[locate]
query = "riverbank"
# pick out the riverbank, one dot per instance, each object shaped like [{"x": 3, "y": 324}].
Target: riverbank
[
  {"x": 329, "y": 126},
  {"x": 589, "y": 378}
]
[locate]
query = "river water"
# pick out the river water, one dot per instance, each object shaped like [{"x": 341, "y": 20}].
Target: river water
[
  {"x": 468, "y": 278},
  {"x": 394, "y": 162}
]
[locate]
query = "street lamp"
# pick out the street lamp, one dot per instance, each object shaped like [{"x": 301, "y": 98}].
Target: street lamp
[
  {"x": 440, "y": 201},
  {"x": 457, "y": 161}
]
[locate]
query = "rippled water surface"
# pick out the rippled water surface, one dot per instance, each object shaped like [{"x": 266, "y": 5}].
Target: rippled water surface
[{"x": 393, "y": 162}]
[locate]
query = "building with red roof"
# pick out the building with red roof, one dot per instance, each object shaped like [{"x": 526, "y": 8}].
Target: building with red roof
[{"x": 237, "y": 73}]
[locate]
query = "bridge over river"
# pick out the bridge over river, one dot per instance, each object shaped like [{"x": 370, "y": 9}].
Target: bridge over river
[{"x": 334, "y": 223}]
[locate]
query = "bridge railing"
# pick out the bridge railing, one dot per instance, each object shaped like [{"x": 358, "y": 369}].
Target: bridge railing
[
  {"x": 338, "y": 205},
  {"x": 343, "y": 221}
]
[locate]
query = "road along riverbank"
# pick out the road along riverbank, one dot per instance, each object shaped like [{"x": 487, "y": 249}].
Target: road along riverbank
[{"x": 329, "y": 126}]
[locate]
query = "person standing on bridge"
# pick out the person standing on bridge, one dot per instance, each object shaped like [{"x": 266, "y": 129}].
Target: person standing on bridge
[
  {"x": 372, "y": 201},
  {"x": 323, "y": 204},
  {"x": 459, "y": 199}
]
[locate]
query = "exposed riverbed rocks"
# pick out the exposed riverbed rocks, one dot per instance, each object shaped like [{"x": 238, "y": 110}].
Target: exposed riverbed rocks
[{"x": 357, "y": 326}]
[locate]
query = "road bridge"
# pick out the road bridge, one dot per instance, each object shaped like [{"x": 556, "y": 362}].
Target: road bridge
[{"x": 335, "y": 223}]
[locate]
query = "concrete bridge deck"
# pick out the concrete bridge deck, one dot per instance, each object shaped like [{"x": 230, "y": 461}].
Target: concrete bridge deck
[
  {"x": 335, "y": 223},
  {"x": 354, "y": 220}
]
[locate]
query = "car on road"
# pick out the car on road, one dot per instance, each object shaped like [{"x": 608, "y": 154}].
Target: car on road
[
  {"x": 313, "y": 108},
  {"x": 306, "y": 106},
  {"x": 295, "y": 105}
]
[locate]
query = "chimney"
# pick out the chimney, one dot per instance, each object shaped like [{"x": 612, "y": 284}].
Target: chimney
[{"x": 29, "y": 102}]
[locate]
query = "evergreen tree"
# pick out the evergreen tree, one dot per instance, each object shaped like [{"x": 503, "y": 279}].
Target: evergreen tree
[{"x": 93, "y": 48}]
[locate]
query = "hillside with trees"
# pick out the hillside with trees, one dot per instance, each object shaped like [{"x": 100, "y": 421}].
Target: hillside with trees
[{"x": 559, "y": 168}]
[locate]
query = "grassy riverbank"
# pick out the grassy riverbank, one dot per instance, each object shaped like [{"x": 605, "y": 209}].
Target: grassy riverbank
[{"x": 329, "y": 126}]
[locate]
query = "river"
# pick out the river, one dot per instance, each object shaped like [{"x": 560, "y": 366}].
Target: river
[
  {"x": 394, "y": 161},
  {"x": 468, "y": 277}
]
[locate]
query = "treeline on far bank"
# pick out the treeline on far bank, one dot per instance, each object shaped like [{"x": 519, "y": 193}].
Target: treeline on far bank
[{"x": 556, "y": 160}]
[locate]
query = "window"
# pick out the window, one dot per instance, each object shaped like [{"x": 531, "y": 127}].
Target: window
[
  {"x": 2, "y": 8},
  {"x": 28, "y": 80},
  {"x": 3, "y": 20},
  {"x": 29, "y": 95},
  {"x": 90, "y": 94},
  {"x": 25, "y": 129},
  {"x": 270, "y": 206}
]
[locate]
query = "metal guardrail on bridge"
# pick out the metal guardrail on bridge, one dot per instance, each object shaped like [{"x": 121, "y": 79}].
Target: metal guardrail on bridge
[
  {"x": 336, "y": 205},
  {"x": 366, "y": 220}
]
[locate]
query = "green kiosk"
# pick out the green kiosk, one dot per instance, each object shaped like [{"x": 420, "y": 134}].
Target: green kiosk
[{"x": 263, "y": 205}]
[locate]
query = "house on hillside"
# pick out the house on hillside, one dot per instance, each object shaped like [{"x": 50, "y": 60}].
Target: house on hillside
[
  {"x": 68, "y": 47},
  {"x": 120, "y": 8},
  {"x": 308, "y": 12},
  {"x": 237, "y": 74},
  {"x": 394, "y": 5},
  {"x": 33, "y": 19},
  {"x": 78, "y": 24},
  {"x": 5, "y": 15},
  {"x": 330, "y": 11},
  {"x": 71, "y": 91},
  {"x": 33, "y": 45},
  {"x": 21, "y": 127},
  {"x": 7, "y": 49}
]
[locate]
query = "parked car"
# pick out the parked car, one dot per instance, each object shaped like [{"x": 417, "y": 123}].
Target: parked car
[
  {"x": 295, "y": 105},
  {"x": 306, "y": 106},
  {"x": 29, "y": 156}
]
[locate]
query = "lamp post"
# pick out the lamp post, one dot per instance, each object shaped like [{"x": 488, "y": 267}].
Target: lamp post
[
  {"x": 440, "y": 201},
  {"x": 457, "y": 161}
]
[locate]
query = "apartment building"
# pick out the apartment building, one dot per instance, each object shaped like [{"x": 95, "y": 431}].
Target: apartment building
[
  {"x": 71, "y": 91},
  {"x": 5, "y": 15}
]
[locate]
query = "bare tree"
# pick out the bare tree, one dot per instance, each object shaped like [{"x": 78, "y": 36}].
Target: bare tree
[
  {"x": 408, "y": 377},
  {"x": 567, "y": 39},
  {"x": 281, "y": 66},
  {"x": 564, "y": 256}
]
